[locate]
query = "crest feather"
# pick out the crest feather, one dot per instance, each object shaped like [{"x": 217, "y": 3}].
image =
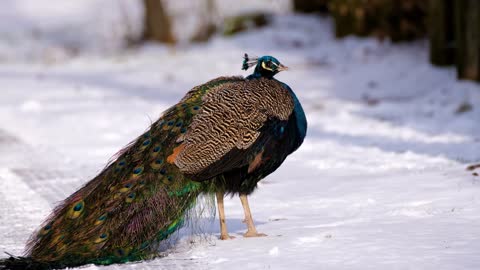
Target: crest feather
[{"x": 249, "y": 61}]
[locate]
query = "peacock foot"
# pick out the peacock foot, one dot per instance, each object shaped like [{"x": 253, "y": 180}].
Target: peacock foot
[
  {"x": 226, "y": 237},
  {"x": 253, "y": 234}
]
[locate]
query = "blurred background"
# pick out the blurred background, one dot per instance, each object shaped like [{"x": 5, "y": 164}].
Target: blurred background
[
  {"x": 56, "y": 29},
  {"x": 387, "y": 178}
]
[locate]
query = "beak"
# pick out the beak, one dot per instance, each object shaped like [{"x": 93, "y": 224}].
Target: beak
[{"x": 282, "y": 67}]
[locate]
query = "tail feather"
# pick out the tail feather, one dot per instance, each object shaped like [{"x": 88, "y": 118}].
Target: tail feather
[
  {"x": 131, "y": 208},
  {"x": 25, "y": 263}
]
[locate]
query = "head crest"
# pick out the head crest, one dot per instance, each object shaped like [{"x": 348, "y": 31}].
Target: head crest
[{"x": 249, "y": 61}]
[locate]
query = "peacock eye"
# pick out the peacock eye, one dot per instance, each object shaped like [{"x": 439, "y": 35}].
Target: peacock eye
[{"x": 268, "y": 65}]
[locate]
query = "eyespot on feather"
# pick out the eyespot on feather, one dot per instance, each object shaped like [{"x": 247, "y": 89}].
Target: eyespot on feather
[
  {"x": 122, "y": 252},
  {"x": 121, "y": 163},
  {"x": 101, "y": 219},
  {"x": 178, "y": 126},
  {"x": 157, "y": 148},
  {"x": 101, "y": 238},
  {"x": 76, "y": 210},
  {"x": 126, "y": 187},
  {"x": 45, "y": 230},
  {"x": 130, "y": 197},
  {"x": 160, "y": 123},
  {"x": 168, "y": 180},
  {"x": 169, "y": 125},
  {"x": 146, "y": 142},
  {"x": 137, "y": 172},
  {"x": 157, "y": 164},
  {"x": 194, "y": 109}
]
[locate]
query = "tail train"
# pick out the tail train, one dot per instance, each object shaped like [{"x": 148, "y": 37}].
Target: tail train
[
  {"x": 24, "y": 263},
  {"x": 124, "y": 214}
]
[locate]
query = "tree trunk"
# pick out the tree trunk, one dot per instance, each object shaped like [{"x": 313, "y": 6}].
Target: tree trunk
[
  {"x": 401, "y": 20},
  {"x": 344, "y": 21},
  {"x": 309, "y": 6},
  {"x": 441, "y": 32},
  {"x": 157, "y": 25},
  {"x": 207, "y": 26},
  {"x": 468, "y": 39}
]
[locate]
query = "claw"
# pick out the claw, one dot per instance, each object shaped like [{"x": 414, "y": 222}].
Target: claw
[
  {"x": 254, "y": 234},
  {"x": 226, "y": 237}
]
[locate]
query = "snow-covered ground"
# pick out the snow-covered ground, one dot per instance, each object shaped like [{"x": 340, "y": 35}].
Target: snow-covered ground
[{"x": 380, "y": 182}]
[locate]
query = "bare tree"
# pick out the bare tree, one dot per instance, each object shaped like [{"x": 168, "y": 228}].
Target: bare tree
[
  {"x": 207, "y": 25},
  {"x": 468, "y": 39},
  {"x": 441, "y": 32},
  {"x": 157, "y": 26}
]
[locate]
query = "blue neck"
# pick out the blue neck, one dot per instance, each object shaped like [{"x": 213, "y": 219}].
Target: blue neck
[
  {"x": 259, "y": 72},
  {"x": 254, "y": 76},
  {"x": 299, "y": 114}
]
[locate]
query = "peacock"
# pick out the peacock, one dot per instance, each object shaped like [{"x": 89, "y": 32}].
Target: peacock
[{"x": 223, "y": 137}]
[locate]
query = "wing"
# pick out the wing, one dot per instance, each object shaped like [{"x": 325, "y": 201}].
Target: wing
[{"x": 232, "y": 118}]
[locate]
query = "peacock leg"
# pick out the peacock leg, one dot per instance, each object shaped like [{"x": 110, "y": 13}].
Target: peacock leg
[
  {"x": 221, "y": 212},
  {"x": 251, "y": 232}
]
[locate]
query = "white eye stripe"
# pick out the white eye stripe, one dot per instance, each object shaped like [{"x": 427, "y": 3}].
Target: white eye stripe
[{"x": 265, "y": 66}]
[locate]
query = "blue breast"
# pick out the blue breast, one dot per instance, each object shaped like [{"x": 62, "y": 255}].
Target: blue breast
[{"x": 299, "y": 115}]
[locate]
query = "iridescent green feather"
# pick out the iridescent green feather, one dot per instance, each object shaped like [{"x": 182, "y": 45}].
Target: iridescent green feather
[{"x": 133, "y": 205}]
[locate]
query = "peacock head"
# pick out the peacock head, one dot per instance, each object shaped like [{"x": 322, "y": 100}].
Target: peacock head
[{"x": 265, "y": 66}]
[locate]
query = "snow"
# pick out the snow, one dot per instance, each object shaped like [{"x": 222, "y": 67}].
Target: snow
[{"x": 379, "y": 183}]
